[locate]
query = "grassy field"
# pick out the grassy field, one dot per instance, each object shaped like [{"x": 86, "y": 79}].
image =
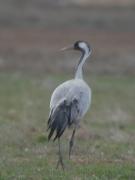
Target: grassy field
[{"x": 104, "y": 147}]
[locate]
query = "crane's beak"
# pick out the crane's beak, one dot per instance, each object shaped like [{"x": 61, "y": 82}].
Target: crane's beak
[{"x": 67, "y": 48}]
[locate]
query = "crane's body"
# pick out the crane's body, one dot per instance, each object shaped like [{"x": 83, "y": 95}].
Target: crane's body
[
  {"x": 75, "y": 89},
  {"x": 70, "y": 101}
]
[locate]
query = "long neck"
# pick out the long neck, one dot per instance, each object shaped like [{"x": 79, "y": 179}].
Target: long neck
[{"x": 79, "y": 71}]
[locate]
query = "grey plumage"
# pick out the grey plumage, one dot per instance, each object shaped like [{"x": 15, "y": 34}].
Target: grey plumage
[
  {"x": 62, "y": 117},
  {"x": 59, "y": 120}
]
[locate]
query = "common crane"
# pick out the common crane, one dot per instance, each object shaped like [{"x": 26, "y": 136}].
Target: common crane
[{"x": 70, "y": 101}]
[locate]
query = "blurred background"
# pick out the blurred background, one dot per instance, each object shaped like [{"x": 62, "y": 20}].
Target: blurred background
[
  {"x": 32, "y": 32},
  {"x": 31, "y": 66}
]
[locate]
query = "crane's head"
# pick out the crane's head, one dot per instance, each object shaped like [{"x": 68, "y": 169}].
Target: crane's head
[{"x": 80, "y": 46}]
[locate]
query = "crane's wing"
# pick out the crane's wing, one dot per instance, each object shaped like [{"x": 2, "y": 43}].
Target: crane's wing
[
  {"x": 62, "y": 116},
  {"x": 60, "y": 93},
  {"x": 72, "y": 88}
]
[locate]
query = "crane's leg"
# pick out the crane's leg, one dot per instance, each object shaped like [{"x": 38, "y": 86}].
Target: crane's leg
[
  {"x": 71, "y": 142},
  {"x": 60, "y": 160}
]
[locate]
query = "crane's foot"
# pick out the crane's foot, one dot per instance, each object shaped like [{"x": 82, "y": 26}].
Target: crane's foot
[{"x": 60, "y": 162}]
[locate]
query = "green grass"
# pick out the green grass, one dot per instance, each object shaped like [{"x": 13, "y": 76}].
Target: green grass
[{"x": 105, "y": 142}]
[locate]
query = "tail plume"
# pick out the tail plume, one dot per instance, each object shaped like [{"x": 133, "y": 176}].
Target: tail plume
[{"x": 59, "y": 120}]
